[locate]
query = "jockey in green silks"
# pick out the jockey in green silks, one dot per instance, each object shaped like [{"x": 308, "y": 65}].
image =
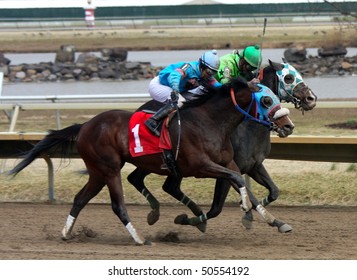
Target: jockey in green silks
[{"x": 237, "y": 64}]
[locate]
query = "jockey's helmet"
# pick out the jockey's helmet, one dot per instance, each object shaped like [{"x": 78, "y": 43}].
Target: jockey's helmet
[
  {"x": 252, "y": 55},
  {"x": 210, "y": 60}
]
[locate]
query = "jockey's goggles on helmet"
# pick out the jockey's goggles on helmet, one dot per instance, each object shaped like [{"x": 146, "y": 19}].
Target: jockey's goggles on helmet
[
  {"x": 249, "y": 67},
  {"x": 210, "y": 71}
]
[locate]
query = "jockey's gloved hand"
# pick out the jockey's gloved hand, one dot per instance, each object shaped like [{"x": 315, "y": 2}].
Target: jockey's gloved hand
[{"x": 175, "y": 96}]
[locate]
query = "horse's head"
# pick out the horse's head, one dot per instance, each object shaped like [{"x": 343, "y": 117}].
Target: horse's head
[
  {"x": 290, "y": 87},
  {"x": 268, "y": 108}
]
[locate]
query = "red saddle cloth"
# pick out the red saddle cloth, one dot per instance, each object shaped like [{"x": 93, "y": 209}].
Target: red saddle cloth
[{"x": 141, "y": 141}]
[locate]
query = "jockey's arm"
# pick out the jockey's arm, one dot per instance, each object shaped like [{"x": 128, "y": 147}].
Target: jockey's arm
[{"x": 175, "y": 77}]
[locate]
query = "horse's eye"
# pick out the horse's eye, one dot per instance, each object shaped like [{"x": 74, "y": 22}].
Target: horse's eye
[
  {"x": 289, "y": 79},
  {"x": 266, "y": 101}
]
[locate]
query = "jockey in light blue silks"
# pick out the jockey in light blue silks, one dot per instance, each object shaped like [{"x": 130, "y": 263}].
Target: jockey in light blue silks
[{"x": 177, "y": 78}]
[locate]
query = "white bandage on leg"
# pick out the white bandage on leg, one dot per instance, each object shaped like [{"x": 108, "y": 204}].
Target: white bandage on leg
[
  {"x": 246, "y": 204},
  {"x": 67, "y": 229},
  {"x": 269, "y": 218},
  {"x": 134, "y": 234}
]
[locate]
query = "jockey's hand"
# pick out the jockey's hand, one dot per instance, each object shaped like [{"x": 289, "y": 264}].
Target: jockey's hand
[
  {"x": 255, "y": 81},
  {"x": 174, "y": 96}
]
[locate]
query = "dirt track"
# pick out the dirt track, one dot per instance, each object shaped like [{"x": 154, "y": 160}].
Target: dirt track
[{"x": 32, "y": 231}]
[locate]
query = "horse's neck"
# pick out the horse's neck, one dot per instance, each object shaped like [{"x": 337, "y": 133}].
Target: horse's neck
[
  {"x": 270, "y": 79},
  {"x": 222, "y": 112}
]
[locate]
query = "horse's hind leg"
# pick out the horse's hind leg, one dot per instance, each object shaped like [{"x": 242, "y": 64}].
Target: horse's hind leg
[
  {"x": 136, "y": 178},
  {"x": 118, "y": 206},
  {"x": 172, "y": 186},
  {"x": 221, "y": 191},
  {"x": 90, "y": 190}
]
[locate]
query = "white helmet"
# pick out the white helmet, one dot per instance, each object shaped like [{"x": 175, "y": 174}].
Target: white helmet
[{"x": 210, "y": 59}]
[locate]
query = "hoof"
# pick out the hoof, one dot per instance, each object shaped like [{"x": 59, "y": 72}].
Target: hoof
[
  {"x": 147, "y": 242},
  {"x": 202, "y": 227},
  {"x": 247, "y": 220},
  {"x": 285, "y": 228},
  {"x": 66, "y": 238},
  {"x": 153, "y": 216},
  {"x": 66, "y": 235},
  {"x": 181, "y": 219},
  {"x": 248, "y": 224}
]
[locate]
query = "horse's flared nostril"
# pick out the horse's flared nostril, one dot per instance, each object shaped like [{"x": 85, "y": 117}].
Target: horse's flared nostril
[{"x": 289, "y": 127}]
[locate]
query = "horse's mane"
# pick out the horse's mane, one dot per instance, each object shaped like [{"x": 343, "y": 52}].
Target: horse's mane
[{"x": 211, "y": 91}]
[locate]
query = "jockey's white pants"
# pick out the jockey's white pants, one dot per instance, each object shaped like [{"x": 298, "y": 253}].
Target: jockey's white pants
[{"x": 161, "y": 93}]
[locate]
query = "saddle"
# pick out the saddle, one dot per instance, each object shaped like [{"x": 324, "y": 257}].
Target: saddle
[
  {"x": 143, "y": 142},
  {"x": 168, "y": 157}
]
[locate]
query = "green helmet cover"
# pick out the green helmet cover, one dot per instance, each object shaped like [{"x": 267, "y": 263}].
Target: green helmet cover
[{"x": 253, "y": 55}]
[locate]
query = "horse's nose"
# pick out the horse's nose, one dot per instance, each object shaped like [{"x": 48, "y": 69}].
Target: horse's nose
[
  {"x": 289, "y": 128},
  {"x": 310, "y": 100}
]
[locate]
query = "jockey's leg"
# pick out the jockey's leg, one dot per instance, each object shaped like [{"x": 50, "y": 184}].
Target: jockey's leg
[{"x": 153, "y": 122}]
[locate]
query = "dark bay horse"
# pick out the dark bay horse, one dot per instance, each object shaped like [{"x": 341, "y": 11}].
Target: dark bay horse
[
  {"x": 205, "y": 152},
  {"x": 251, "y": 144}
]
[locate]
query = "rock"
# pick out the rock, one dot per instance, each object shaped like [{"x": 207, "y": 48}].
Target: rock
[
  {"x": 107, "y": 74},
  {"x": 3, "y": 60},
  {"x": 20, "y": 75},
  {"x": 65, "y": 54},
  {"x": 337, "y": 50},
  {"x": 116, "y": 54},
  {"x": 346, "y": 66},
  {"x": 295, "y": 54},
  {"x": 4, "y": 69},
  {"x": 31, "y": 72},
  {"x": 87, "y": 58}
]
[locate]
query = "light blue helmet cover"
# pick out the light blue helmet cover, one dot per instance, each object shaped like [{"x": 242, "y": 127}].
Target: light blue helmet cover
[{"x": 262, "y": 113}]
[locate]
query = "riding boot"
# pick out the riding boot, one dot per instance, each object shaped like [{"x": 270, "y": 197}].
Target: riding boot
[{"x": 153, "y": 123}]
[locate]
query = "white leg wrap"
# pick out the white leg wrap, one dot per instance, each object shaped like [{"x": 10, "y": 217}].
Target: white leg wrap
[
  {"x": 67, "y": 229},
  {"x": 246, "y": 204},
  {"x": 269, "y": 218},
  {"x": 134, "y": 234}
]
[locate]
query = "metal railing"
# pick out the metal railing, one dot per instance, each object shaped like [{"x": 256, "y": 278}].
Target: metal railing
[{"x": 164, "y": 22}]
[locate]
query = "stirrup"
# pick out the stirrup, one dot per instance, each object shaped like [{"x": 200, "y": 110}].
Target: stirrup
[{"x": 170, "y": 163}]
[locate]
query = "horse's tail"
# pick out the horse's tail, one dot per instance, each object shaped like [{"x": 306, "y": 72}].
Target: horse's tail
[{"x": 57, "y": 140}]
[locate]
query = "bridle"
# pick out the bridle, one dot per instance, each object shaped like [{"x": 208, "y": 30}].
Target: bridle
[{"x": 246, "y": 114}]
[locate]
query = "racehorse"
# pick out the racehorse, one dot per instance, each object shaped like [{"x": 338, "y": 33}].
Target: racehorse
[
  {"x": 205, "y": 147},
  {"x": 251, "y": 144}
]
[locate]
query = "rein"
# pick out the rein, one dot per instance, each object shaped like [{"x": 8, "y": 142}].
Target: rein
[
  {"x": 179, "y": 130},
  {"x": 246, "y": 114}
]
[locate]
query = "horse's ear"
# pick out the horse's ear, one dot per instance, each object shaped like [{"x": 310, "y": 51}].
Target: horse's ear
[{"x": 276, "y": 66}]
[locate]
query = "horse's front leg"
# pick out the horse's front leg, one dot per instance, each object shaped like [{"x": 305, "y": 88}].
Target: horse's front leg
[
  {"x": 118, "y": 206},
  {"x": 225, "y": 178},
  {"x": 136, "y": 178},
  {"x": 261, "y": 176}
]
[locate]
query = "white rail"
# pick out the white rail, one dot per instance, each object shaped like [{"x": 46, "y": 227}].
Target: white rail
[
  {"x": 127, "y": 101},
  {"x": 69, "y": 102}
]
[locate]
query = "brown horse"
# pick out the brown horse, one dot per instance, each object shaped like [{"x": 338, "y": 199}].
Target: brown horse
[{"x": 205, "y": 148}]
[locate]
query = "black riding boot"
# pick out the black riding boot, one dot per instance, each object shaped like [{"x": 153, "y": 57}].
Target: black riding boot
[{"x": 154, "y": 122}]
